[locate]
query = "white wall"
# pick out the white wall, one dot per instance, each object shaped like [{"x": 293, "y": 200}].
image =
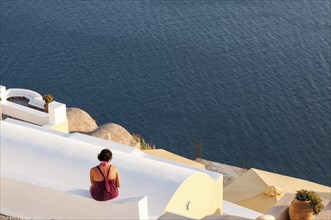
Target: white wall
[
  {"x": 57, "y": 112},
  {"x": 230, "y": 208},
  {"x": 28, "y": 201},
  {"x": 3, "y": 92},
  {"x": 23, "y": 113}
]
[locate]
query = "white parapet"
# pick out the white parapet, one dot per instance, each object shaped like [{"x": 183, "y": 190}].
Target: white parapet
[
  {"x": 57, "y": 112},
  {"x": 2, "y": 97},
  {"x": 25, "y": 200},
  {"x": 55, "y": 119},
  {"x": 23, "y": 113},
  {"x": 35, "y": 99},
  {"x": 230, "y": 208},
  {"x": 3, "y": 93}
]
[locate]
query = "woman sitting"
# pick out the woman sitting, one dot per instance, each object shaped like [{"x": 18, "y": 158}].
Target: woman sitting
[{"x": 105, "y": 179}]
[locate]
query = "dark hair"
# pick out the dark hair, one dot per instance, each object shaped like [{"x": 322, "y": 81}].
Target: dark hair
[{"x": 105, "y": 155}]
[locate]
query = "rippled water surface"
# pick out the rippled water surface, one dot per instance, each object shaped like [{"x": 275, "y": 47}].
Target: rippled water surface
[{"x": 251, "y": 79}]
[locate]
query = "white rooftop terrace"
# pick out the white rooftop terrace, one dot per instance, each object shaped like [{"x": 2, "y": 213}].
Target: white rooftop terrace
[{"x": 59, "y": 161}]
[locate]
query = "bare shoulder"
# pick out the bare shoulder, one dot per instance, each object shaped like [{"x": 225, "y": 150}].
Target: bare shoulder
[
  {"x": 92, "y": 169},
  {"x": 114, "y": 168}
]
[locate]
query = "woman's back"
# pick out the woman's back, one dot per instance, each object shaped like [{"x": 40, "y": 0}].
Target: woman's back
[{"x": 97, "y": 175}]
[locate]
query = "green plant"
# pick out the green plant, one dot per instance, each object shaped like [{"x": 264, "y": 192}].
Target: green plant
[
  {"x": 48, "y": 98},
  {"x": 311, "y": 196},
  {"x": 143, "y": 144}
]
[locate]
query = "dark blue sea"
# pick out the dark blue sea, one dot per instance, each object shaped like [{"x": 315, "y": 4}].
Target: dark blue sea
[{"x": 250, "y": 79}]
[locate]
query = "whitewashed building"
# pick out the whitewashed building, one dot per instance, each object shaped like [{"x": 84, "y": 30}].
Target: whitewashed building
[{"x": 45, "y": 172}]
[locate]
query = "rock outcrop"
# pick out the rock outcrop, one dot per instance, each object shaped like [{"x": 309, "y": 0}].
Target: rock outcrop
[
  {"x": 230, "y": 173},
  {"x": 116, "y": 133},
  {"x": 80, "y": 121}
]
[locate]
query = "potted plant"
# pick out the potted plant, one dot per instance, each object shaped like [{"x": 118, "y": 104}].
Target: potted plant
[
  {"x": 305, "y": 205},
  {"x": 48, "y": 99}
]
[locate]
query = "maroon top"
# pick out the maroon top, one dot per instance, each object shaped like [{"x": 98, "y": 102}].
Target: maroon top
[{"x": 100, "y": 192}]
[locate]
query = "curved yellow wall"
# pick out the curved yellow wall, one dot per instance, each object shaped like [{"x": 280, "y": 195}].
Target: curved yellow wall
[{"x": 204, "y": 194}]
